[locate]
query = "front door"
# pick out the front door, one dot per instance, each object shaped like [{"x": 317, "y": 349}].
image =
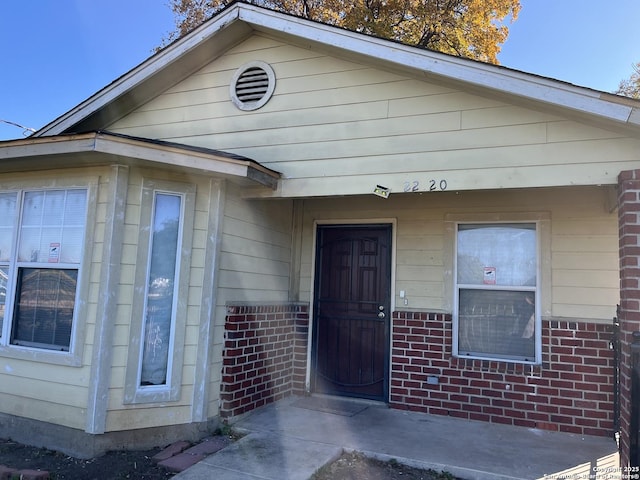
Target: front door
[{"x": 351, "y": 311}]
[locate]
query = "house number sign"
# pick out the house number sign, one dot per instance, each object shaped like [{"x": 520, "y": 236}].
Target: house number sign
[{"x": 432, "y": 186}]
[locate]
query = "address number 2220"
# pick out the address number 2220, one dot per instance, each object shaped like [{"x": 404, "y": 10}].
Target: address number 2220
[{"x": 432, "y": 186}]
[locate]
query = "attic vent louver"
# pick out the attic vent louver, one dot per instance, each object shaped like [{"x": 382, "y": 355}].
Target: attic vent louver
[{"x": 252, "y": 85}]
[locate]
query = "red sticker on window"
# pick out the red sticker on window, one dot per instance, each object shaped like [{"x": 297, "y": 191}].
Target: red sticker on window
[
  {"x": 54, "y": 252},
  {"x": 489, "y": 277}
]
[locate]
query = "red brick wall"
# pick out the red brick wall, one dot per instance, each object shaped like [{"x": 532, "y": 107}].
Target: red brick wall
[
  {"x": 571, "y": 392},
  {"x": 629, "y": 237},
  {"x": 265, "y": 356}
]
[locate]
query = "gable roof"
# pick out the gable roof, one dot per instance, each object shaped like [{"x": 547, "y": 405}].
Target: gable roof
[{"x": 232, "y": 25}]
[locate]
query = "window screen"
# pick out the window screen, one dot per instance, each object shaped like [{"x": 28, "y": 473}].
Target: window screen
[{"x": 44, "y": 307}]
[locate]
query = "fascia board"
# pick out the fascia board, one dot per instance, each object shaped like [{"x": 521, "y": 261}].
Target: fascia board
[
  {"x": 139, "y": 151},
  {"x": 49, "y": 146},
  {"x": 169, "y": 156},
  {"x": 176, "y": 157},
  {"x": 430, "y": 63}
]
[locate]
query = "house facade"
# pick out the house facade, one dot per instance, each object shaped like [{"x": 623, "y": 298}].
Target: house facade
[{"x": 272, "y": 206}]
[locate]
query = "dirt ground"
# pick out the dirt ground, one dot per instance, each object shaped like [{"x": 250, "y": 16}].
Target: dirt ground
[
  {"x": 355, "y": 466},
  {"x": 112, "y": 466},
  {"x": 137, "y": 465}
]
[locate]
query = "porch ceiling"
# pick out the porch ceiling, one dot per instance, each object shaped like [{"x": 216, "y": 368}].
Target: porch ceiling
[{"x": 105, "y": 148}]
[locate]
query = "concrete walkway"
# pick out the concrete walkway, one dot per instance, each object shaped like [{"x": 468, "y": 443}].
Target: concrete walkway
[{"x": 291, "y": 439}]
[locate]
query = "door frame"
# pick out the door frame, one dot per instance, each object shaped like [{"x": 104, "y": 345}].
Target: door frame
[{"x": 346, "y": 222}]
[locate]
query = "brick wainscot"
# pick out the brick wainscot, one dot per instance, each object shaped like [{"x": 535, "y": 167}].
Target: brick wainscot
[
  {"x": 265, "y": 356},
  {"x": 572, "y": 391},
  {"x": 629, "y": 247}
]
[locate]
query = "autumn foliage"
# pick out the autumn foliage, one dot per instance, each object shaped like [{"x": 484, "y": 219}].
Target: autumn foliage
[
  {"x": 630, "y": 87},
  {"x": 467, "y": 28}
]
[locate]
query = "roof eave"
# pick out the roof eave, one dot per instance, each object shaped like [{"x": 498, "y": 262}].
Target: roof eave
[
  {"x": 124, "y": 94},
  {"x": 139, "y": 150},
  {"x": 237, "y": 21},
  {"x": 502, "y": 80}
]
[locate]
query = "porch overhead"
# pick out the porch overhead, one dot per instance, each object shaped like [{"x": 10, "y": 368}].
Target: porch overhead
[{"x": 100, "y": 148}]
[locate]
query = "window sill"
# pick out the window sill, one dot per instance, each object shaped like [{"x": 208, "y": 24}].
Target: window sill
[
  {"x": 497, "y": 360},
  {"x": 159, "y": 394},
  {"x": 69, "y": 359}
]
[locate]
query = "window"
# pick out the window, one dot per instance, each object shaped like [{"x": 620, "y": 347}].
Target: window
[
  {"x": 496, "y": 292},
  {"x": 8, "y": 209},
  {"x": 161, "y": 286},
  {"x": 159, "y": 313},
  {"x": 41, "y": 242}
]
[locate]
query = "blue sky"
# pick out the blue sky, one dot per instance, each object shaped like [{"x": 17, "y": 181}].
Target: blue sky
[{"x": 56, "y": 53}]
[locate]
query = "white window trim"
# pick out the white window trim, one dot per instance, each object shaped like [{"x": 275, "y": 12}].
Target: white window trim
[
  {"x": 542, "y": 220},
  {"x": 170, "y": 391},
  {"x": 174, "y": 302},
  {"x": 72, "y": 357}
]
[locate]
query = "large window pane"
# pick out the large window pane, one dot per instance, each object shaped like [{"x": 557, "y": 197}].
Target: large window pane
[
  {"x": 160, "y": 291},
  {"x": 52, "y": 226},
  {"x": 497, "y": 324},
  {"x": 7, "y": 224},
  {"x": 45, "y": 301},
  {"x": 497, "y": 255},
  {"x": 496, "y": 278},
  {"x": 33, "y": 208}
]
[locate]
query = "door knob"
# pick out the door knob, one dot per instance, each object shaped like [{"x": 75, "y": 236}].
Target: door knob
[{"x": 381, "y": 315}]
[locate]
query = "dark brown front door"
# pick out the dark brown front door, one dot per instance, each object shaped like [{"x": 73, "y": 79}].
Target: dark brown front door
[{"x": 351, "y": 311}]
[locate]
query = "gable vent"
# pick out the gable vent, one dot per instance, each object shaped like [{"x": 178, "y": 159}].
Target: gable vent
[{"x": 252, "y": 85}]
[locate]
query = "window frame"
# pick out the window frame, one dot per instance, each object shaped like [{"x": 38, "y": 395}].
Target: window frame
[
  {"x": 73, "y": 355},
  {"x": 543, "y": 273},
  {"x": 169, "y": 391},
  {"x": 174, "y": 293},
  {"x": 6, "y": 325}
]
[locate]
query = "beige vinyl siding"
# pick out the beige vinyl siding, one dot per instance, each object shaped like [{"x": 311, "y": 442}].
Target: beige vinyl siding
[
  {"x": 147, "y": 417},
  {"x": 119, "y": 415},
  {"x": 255, "y": 258},
  {"x": 40, "y": 389},
  {"x": 49, "y": 393},
  {"x": 335, "y": 126},
  {"x": 584, "y": 243},
  {"x": 43, "y": 409},
  {"x": 126, "y": 291},
  {"x": 585, "y": 259},
  {"x": 255, "y": 250}
]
